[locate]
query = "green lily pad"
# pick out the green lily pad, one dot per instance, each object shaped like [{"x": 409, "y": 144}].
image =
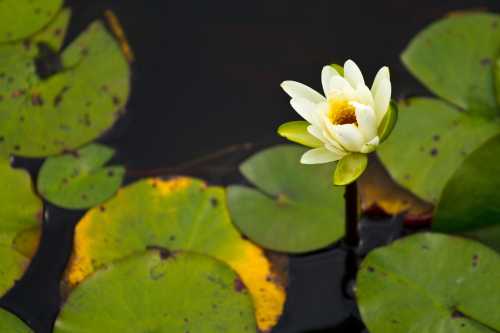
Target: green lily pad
[
  {"x": 20, "y": 210},
  {"x": 350, "y": 168},
  {"x": 80, "y": 180},
  {"x": 454, "y": 58},
  {"x": 430, "y": 283},
  {"x": 430, "y": 142},
  {"x": 11, "y": 324},
  {"x": 294, "y": 209},
  {"x": 179, "y": 214},
  {"x": 161, "y": 293},
  {"x": 46, "y": 116},
  {"x": 471, "y": 198},
  {"x": 488, "y": 235},
  {"x": 22, "y": 18},
  {"x": 496, "y": 73}
]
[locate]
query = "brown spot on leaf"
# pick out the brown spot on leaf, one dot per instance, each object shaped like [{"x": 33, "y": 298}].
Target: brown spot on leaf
[
  {"x": 163, "y": 252},
  {"x": 18, "y": 93},
  {"x": 27, "y": 44},
  {"x": 436, "y": 137},
  {"x": 36, "y": 100},
  {"x": 475, "y": 260},
  {"x": 116, "y": 100},
  {"x": 59, "y": 97},
  {"x": 456, "y": 314},
  {"x": 485, "y": 62},
  {"x": 238, "y": 285},
  {"x": 370, "y": 269},
  {"x": 434, "y": 152}
]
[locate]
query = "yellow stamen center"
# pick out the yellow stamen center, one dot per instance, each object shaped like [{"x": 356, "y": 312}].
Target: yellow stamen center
[{"x": 340, "y": 112}]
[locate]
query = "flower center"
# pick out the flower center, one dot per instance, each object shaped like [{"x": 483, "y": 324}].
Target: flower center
[{"x": 341, "y": 112}]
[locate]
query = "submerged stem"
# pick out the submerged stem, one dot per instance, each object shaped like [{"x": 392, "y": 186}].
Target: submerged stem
[{"x": 351, "y": 214}]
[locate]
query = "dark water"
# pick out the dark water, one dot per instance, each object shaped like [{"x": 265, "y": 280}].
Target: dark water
[{"x": 207, "y": 76}]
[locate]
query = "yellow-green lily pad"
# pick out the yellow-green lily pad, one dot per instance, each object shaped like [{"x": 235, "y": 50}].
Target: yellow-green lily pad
[
  {"x": 454, "y": 58},
  {"x": 82, "y": 99},
  {"x": 22, "y": 18},
  {"x": 178, "y": 214},
  {"x": 162, "y": 293},
  {"x": 430, "y": 142},
  {"x": 430, "y": 283},
  {"x": 11, "y": 324},
  {"x": 20, "y": 210},
  {"x": 80, "y": 179},
  {"x": 295, "y": 208}
]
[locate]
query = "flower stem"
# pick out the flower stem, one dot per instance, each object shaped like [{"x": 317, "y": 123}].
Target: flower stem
[{"x": 351, "y": 214}]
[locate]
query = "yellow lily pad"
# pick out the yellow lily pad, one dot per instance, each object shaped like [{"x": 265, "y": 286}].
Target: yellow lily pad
[{"x": 179, "y": 214}]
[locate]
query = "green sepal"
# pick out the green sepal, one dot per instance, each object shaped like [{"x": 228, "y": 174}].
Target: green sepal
[
  {"x": 349, "y": 168},
  {"x": 296, "y": 131},
  {"x": 388, "y": 122},
  {"x": 338, "y": 68}
]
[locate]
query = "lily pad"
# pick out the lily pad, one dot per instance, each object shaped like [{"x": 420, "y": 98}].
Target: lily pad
[
  {"x": 294, "y": 209},
  {"x": 454, "y": 58},
  {"x": 42, "y": 116},
  {"x": 20, "y": 210},
  {"x": 489, "y": 236},
  {"x": 80, "y": 180},
  {"x": 430, "y": 283},
  {"x": 430, "y": 142},
  {"x": 179, "y": 214},
  {"x": 22, "y": 18},
  {"x": 161, "y": 293},
  {"x": 471, "y": 198},
  {"x": 11, "y": 324}
]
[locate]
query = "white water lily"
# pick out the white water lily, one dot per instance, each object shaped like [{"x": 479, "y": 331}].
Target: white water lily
[{"x": 346, "y": 119}]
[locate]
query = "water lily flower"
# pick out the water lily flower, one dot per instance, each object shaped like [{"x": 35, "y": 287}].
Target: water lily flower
[{"x": 347, "y": 122}]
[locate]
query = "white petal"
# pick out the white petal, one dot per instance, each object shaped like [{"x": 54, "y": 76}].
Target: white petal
[
  {"x": 337, "y": 149},
  {"x": 306, "y": 109},
  {"x": 382, "y": 98},
  {"x": 366, "y": 119},
  {"x": 382, "y": 73},
  {"x": 353, "y": 74},
  {"x": 316, "y": 132},
  {"x": 370, "y": 146},
  {"x": 339, "y": 84},
  {"x": 318, "y": 156},
  {"x": 299, "y": 90},
  {"x": 326, "y": 75},
  {"x": 349, "y": 136},
  {"x": 364, "y": 95}
]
